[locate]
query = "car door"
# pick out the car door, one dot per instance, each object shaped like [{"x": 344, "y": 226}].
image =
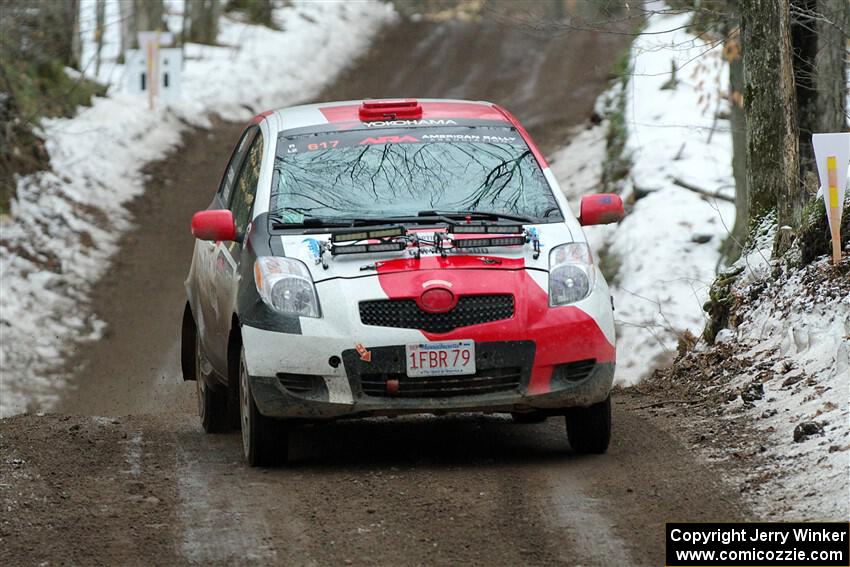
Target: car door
[
  {"x": 208, "y": 308},
  {"x": 229, "y": 254}
]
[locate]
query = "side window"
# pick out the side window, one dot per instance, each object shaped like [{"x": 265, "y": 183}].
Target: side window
[
  {"x": 246, "y": 185},
  {"x": 226, "y": 188}
]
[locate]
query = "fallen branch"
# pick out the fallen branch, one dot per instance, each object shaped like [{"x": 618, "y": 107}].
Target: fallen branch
[
  {"x": 701, "y": 191},
  {"x": 664, "y": 402}
]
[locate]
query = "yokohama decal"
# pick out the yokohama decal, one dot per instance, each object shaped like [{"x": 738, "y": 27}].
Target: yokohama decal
[{"x": 561, "y": 334}]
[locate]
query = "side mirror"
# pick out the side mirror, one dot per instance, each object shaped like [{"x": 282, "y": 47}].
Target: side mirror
[
  {"x": 214, "y": 225},
  {"x": 601, "y": 208}
]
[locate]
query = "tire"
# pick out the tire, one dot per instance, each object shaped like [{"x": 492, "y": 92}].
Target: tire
[
  {"x": 589, "y": 429},
  {"x": 529, "y": 417},
  {"x": 265, "y": 441},
  {"x": 212, "y": 402}
]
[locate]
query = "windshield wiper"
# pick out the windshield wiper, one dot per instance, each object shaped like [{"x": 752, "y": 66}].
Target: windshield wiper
[
  {"x": 422, "y": 217},
  {"x": 476, "y": 215},
  {"x": 310, "y": 222},
  {"x": 348, "y": 222}
]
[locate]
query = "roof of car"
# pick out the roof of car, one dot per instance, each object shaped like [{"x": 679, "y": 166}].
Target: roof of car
[
  {"x": 429, "y": 112},
  {"x": 348, "y": 111}
]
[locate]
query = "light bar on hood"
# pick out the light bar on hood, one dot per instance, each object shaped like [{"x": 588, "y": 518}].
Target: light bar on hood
[
  {"x": 484, "y": 242},
  {"x": 481, "y": 228},
  {"x": 368, "y": 234},
  {"x": 395, "y": 246}
]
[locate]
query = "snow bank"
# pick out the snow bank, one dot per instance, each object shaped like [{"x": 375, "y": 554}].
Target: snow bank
[
  {"x": 666, "y": 250},
  {"x": 793, "y": 326},
  {"x": 798, "y": 330},
  {"x": 65, "y": 223}
]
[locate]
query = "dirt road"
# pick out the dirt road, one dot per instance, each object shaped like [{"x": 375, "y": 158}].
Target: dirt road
[{"x": 148, "y": 487}]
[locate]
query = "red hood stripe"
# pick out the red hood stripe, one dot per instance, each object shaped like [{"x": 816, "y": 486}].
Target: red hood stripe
[{"x": 562, "y": 334}]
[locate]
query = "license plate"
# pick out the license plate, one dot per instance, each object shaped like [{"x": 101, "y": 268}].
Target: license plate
[{"x": 441, "y": 358}]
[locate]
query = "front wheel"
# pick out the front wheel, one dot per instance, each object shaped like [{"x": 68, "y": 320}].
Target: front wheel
[
  {"x": 589, "y": 429},
  {"x": 265, "y": 441},
  {"x": 212, "y": 402}
]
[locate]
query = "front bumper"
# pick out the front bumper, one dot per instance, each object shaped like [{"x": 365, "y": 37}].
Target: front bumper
[
  {"x": 528, "y": 361},
  {"x": 502, "y": 383}
]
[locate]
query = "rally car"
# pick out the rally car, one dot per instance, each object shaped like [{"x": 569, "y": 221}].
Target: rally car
[{"x": 387, "y": 257}]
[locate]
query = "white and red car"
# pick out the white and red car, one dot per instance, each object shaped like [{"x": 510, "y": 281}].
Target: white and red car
[{"x": 372, "y": 257}]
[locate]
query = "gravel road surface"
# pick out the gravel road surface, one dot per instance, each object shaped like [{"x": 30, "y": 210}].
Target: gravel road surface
[{"x": 145, "y": 485}]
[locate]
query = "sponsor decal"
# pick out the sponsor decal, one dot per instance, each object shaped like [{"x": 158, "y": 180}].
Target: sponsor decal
[
  {"x": 314, "y": 249},
  {"x": 468, "y": 138},
  {"x": 365, "y": 355},
  {"x": 388, "y": 140},
  {"x": 442, "y": 131},
  {"x": 326, "y": 145},
  {"x": 533, "y": 235},
  {"x": 384, "y": 123},
  {"x": 432, "y": 251}
]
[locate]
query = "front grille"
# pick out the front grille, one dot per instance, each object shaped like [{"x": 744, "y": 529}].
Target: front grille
[
  {"x": 405, "y": 314},
  {"x": 485, "y": 381},
  {"x": 575, "y": 371}
]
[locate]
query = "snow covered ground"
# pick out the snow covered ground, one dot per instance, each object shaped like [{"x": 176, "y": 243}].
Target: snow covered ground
[
  {"x": 666, "y": 250},
  {"x": 65, "y": 223},
  {"x": 797, "y": 328}
]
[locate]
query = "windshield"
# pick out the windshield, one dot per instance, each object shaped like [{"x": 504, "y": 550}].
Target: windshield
[{"x": 401, "y": 172}]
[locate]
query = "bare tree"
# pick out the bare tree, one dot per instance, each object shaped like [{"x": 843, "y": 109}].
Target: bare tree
[
  {"x": 100, "y": 21},
  {"x": 770, "y": 107},
  {"x": 733, "y": 53},
  {"x": 833, "y": 27},
  {"x": 124, "y": 20},
  {"x": 146, "y": 15},
  {"x": 137, "y": 16},
  {"x": 804, "y": 45},
  {"x": 202, "y": 20}
]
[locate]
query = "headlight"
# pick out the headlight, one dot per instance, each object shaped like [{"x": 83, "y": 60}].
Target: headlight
[
  {"x": 571, "y": 273},
  {"x": 285, "y": 284}
]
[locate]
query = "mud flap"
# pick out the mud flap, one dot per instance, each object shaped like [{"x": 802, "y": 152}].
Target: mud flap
[{"x": 188, "y": 331}]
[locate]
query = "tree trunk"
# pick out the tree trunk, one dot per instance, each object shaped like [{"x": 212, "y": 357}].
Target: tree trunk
[
  {"x": 833, "y": 30},
  {"x": 124, "y": 14},
  {"x": 769, "y": 104},
  {"x": 804, "y": 44},
  {"x": 203, "y": 20},
  {"x": 60, "y": 24},
  {"x": 733, "y": 53},
  {"x": 145, "y": 15},
  {"x": 100, "y": 22}
]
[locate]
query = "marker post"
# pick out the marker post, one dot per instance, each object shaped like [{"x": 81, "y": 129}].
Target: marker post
[
  {"x": 834, "y": 209},
  {"x": 832, "y": 154}
]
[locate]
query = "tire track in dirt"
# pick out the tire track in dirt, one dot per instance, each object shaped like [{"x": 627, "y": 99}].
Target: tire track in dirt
[
  {"x": 224, "y": 506},
  {"x": 406, "y": 491}
]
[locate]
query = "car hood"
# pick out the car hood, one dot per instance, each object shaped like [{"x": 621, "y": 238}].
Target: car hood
[{"x": 305, "y": 247}]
